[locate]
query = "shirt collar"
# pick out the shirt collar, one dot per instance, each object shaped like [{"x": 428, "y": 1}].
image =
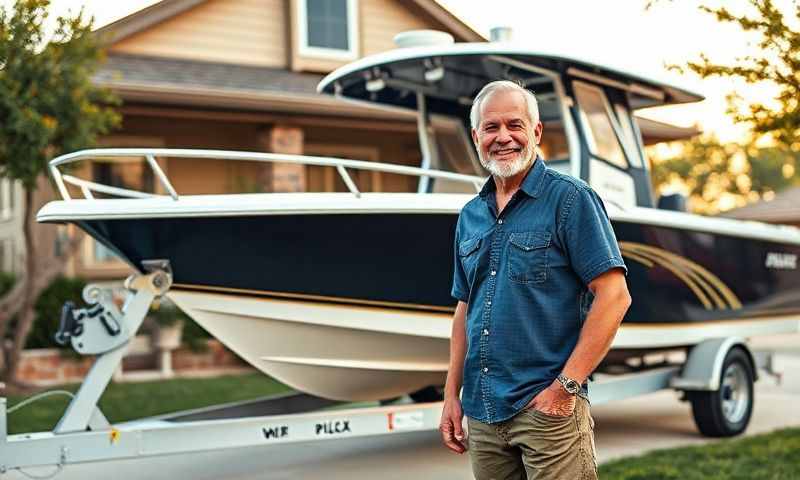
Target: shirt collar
[{"x": 531, "y": 185}]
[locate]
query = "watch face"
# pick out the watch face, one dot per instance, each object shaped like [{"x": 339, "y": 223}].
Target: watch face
[{"x": 573, "y": 386}]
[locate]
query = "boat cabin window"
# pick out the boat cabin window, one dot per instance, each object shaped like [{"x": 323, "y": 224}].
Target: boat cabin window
[
  {"x": 628, "y": 135},
  {"x": 554, "y": 148},
  {"x": 327, "y": 28},
  {"x": 597, "y": 120},
  {"x": 454, "y": 153}
]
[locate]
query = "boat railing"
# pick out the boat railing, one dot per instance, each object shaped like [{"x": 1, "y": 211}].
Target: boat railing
[{"x": 341, "y": 165}]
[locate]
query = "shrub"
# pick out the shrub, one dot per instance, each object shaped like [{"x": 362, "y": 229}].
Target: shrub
[{"x": 48, "y": 310}]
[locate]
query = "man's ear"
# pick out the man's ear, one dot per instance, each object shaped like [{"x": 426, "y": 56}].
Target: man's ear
[
  {"x": 537, "y": 132},
  {"x": 474, "y": 137}
]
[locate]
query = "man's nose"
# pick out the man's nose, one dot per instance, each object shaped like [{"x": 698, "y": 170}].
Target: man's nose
[{"x": 503, "y": 135}]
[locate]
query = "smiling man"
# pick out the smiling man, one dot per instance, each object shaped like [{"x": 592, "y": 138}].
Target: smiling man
[{"x": 533, "y": 251}]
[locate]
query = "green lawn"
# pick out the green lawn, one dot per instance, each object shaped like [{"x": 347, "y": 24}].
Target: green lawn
[
  {"x": 129, "y": 401},
  {"x": 771, "y": 456},
  {"x": 763, "y": 457}
]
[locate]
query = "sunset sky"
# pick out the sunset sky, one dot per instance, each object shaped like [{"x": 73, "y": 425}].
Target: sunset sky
[{"x": 620, "y": 33}]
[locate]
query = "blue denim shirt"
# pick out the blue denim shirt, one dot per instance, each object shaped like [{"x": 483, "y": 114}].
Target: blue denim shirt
[{"x": 524, "y": 275}]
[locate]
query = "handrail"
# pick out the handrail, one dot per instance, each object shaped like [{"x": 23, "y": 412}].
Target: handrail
[{"x": 149, "y": 154}]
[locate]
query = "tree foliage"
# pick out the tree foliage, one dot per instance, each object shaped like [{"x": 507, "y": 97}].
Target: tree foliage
[
  {"x": 48, "y": 104},
  {"x": 746, "y": 172},
  {"x": 710, "y": 171},
  {"x": 776, "y": 63}
]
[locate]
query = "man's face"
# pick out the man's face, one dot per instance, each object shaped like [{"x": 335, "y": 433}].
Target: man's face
[{"x": 505, "y": 138}]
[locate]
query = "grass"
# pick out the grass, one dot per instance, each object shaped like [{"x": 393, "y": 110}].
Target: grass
[
  {"x": 770, "y": 456},
  {"x": 129, "y": 401}
]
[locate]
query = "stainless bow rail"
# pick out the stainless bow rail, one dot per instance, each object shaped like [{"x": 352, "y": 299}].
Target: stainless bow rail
[{"x": 150, "y": 154}]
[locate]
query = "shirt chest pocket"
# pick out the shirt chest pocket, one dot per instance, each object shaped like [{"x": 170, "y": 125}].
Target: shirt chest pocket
[
  {"x": 527, "y": 256},
  {"x": 468, "y": 256}
]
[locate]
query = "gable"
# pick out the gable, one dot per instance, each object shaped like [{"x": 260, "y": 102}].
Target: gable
[
  {"x": 381, "y": 20},
  {"x": 245, "y": 32}
]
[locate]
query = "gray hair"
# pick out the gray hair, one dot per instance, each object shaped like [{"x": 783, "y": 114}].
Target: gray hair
[{"x": 503, "y": 86}]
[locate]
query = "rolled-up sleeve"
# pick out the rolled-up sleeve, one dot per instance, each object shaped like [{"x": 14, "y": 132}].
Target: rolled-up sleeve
[
  {"x": 460, "y": 291},
  {"x": 588, "y": 236}
]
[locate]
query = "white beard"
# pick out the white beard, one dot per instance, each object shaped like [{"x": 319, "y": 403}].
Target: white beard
[{"x": 507, "y": 169}]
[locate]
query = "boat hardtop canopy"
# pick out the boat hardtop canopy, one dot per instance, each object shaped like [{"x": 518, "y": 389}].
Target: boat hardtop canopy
[{"x": 450, "y": 76}]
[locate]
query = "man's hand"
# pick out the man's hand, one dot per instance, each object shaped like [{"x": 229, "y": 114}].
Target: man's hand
[
  {"x": 450, "y": 425},
  {"x": 554, "y": 400}
]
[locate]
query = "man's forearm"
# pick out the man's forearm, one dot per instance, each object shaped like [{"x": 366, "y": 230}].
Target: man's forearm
[
  {"x": 608, "y": 308},
  {"x": 458, "y": 350}
]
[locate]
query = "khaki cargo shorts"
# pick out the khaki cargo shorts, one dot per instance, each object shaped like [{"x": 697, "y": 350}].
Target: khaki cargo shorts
[{"x": 534, "y": 445}]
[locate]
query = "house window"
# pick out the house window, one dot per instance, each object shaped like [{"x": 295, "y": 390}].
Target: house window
[{"x": 328, "y": 28}]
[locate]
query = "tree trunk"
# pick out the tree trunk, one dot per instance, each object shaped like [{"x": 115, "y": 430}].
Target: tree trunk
[
  {"x": 10, "y": 304},
  {"x": 41, "y": 268},
  {"x": 26, "y": 314}
]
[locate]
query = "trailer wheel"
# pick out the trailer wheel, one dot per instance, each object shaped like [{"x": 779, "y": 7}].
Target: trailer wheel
[{"x": 726, "y": 412}]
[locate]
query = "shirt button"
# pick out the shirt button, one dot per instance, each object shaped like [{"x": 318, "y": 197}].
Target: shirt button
[
  {"x": 489, "y": 302},
  {"x": 485, "y": 331},
  {"x": 500, "y": 221},
  {"x": 494, "y": 272},
  {"x": 485, "y": 370}
]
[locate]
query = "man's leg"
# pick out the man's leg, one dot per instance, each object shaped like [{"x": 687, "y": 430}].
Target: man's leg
[
  {"x": 555, "y": 448},
  {"x": 491, "y": 455}
]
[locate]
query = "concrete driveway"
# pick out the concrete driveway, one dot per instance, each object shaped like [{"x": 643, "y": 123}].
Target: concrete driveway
[{"x": 623, "y": 428}]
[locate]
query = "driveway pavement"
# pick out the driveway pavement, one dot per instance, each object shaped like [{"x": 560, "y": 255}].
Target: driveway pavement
[{"x": 624, "y": 428}]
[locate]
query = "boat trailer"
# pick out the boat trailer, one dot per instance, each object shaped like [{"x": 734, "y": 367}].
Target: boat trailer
[{"x": 85, "y": 435}]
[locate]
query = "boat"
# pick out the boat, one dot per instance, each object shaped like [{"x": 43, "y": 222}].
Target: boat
[{"x": 347, "y": 295}]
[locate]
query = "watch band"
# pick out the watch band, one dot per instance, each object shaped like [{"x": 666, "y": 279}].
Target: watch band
[{"x": 573, "y": 387}]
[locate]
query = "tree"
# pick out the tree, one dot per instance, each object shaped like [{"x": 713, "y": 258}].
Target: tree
[
  {"x": 749, "y": 171},
  {"x": 48, "y": 106},
  {"x": 777, "y": 63},
  {"x": 721, "y": 176}
]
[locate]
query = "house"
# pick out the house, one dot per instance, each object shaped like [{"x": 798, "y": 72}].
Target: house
[{"x": 784, "y": 208}]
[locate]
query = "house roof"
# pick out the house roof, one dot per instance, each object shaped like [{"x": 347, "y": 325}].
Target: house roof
[
  {"x": 166, "y": 9},
  {"x": 169, "y": 81},
  {"x": 154, "y": 71},
  {"x": 784, "y": 208}
]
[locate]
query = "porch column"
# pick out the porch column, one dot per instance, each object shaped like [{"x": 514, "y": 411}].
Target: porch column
[{"x": 285, "y": 177}]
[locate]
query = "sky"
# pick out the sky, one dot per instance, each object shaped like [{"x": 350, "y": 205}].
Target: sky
[{"x": 620, "y": 33}]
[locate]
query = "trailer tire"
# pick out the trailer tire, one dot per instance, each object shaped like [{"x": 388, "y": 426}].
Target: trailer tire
[{"x": 726, "y": 412}]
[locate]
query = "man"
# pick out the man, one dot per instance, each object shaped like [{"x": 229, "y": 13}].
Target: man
[{"x": 529, "y": 249}]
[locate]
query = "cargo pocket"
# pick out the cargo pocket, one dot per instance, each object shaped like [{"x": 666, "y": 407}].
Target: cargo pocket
[{"x": 527, "y": 256}]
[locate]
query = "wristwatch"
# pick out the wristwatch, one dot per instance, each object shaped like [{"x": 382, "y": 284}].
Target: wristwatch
[{"x": 571, "y": 386}]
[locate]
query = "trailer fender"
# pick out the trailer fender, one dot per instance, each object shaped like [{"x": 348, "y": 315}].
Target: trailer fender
[{"x": 703, "y": 368}]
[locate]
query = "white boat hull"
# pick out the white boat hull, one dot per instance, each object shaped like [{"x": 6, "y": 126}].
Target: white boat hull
[
  {"x": 357, "y": 352},
  {"x": 333, "y": 351}
]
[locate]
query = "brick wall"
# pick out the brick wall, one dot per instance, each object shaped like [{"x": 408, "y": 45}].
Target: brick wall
[{"x": 50, "y": 366}]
